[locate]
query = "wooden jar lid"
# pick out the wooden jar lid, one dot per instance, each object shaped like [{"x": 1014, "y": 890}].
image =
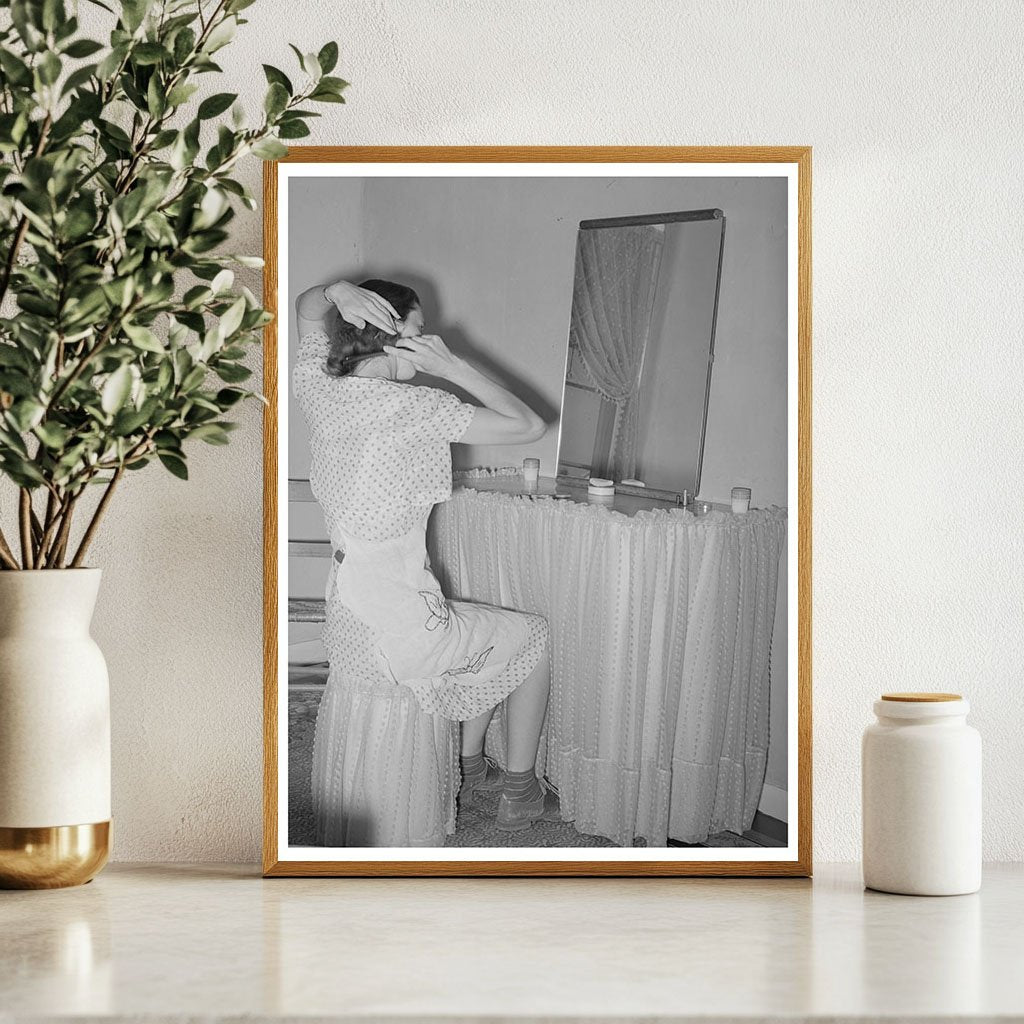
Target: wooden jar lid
[{"x": 921, "y": 698}]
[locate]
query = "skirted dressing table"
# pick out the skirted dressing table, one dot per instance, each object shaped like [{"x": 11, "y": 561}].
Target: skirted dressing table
[{"x": 661, "y": 629}]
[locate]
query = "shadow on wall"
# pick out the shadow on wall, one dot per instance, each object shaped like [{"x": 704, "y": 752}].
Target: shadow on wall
[{"x": 505, "y": 373}]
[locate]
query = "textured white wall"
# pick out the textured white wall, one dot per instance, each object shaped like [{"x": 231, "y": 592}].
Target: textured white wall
[{"x": 913, "y": 110}]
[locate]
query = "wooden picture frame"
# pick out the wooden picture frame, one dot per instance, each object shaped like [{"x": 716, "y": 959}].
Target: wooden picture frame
[{"x": 793, "y": 161}]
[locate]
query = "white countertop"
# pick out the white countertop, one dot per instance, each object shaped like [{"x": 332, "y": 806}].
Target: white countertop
[{"x": 176, "y": 941}]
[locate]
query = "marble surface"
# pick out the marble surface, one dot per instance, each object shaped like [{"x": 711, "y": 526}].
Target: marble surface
[{"x": 180, "y": 941}]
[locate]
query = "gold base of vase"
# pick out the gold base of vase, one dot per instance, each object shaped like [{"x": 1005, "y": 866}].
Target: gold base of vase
[{"x": 52, "y": 857}]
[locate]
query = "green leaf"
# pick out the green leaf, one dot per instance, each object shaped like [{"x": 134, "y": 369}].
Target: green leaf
[
  {"x": 276, "y": 99},
  {"x": 325, "y": 96},
  {"x": 109, "y": 65},
  {"x": 133, "y": 12},
  {"x": 37, "y": 304},
  {"x": 269, "y": 149},
  {"x": 129, "y": 421},
  {"x": 222, "y": 281},
  {"x": 82, "y": 48},
  {"x": 26, "y": 413},
  {"x": 184, "y": 44},
  {"x": 162, "y": 139},
  {"x": 78, "y": 78},
  {"x": 174, "y": 464},
  {"x": 274, "y": 75},
  {"x": 156, "y": 100},
  {"x": 334, "y": 84},
  {"x": 227, "y": 397},
  {"x": 311, "y": 65},
  {"x": 25, "y": 16},
  {"x": 149, "y": 53},
  {"x": 16, "y": 70},
  {"x": 21, "y": 471},
  {"x": 328, "y": 57},
  {"x": 12, "y": 356},
  {"x": 143, "y": 338},
  {"x": 211, "y": 433},
  {"x": 232, "y": 319},
  {"x": 293, "y": 130},
  {"x": 256, "y": 262},
  {"x": 193, "y": 379},
  {"x": 116, "y": 390},
  {"x": 49, "y": 68},
  {"x": 221, "y": 35},
  {"x": 181, "y": 94},
  {"x": 232, "y": 373},
  {"x": 53, "y": 435},
  {"x": 216, "y": 104},
  {"x": 195, "y": 297}
]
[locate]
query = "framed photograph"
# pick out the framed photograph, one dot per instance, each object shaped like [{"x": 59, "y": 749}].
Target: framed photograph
[{"x": 538, "y": 511}]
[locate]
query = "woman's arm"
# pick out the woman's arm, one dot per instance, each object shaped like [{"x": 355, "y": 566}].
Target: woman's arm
[
  {"x": 356, "y": 305},
  {"x": 503, "y": 418}
]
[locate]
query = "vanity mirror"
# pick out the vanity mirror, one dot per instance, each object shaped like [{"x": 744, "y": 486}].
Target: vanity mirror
[{"x": 640, "y": 350}]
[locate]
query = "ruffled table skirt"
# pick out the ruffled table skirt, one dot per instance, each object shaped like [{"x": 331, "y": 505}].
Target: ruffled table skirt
[{"x": 661, "y": 630}]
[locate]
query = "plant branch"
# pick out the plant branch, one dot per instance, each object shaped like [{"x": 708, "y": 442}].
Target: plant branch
[
  {"x": 6, "y": 554},
  {"x": 54, "y": 507},
  {"x": 90, "y": 531},
  {"x": 25, "y": 523},
  {"x": 61, "y": 541}
]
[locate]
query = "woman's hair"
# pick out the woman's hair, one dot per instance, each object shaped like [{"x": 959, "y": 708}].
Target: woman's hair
[{"x": 349, "y": 344}]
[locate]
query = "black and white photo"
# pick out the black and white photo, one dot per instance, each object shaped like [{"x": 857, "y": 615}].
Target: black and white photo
[{"x": 537, "y": 517}]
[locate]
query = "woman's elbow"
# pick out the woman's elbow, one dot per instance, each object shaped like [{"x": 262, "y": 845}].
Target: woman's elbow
[{"x": 535, "y": 429}]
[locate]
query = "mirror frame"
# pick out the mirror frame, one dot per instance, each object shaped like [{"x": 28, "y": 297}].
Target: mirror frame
[{"x": 677, "y": 217}]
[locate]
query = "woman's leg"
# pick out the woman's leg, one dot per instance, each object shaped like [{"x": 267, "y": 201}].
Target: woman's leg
[
  {"x": 473, "y": 732},
  {"x": 524, "y": 716}
]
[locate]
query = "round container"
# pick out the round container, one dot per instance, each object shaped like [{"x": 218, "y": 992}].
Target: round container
[
  {"x": 531, "y": 473},
  {"x": 921, "y": 794},
  {"x": 741, "y": 499},
  {"x": 600, "y": 487}
]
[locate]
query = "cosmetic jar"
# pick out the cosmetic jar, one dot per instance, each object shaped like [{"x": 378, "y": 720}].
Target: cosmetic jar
[
  {"x": 531, "y": 473},
  {"x": 599, "y": 487},
  {"x": 741, "y": 499}
]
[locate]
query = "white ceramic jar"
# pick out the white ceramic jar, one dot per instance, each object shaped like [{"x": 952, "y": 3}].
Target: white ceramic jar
[{"x": 921, "y": 790}]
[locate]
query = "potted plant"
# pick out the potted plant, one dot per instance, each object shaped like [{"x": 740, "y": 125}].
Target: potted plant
[{"x": 122, "y": 339}]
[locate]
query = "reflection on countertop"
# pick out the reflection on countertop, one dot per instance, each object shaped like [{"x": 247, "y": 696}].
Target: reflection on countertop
[{"x": 216, "y": 940}]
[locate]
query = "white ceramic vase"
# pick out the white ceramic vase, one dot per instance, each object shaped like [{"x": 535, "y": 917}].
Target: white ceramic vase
[
  {"x": 54, "y": 731},
  {"x": 921, "y": 776}
]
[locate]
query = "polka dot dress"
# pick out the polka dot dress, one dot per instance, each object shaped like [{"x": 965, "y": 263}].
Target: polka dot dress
[{"x": 381, "y": 458}]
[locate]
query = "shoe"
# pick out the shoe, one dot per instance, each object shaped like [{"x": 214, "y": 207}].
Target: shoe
[
  {"x": 490, "y": 781},
  {"x": 519, "y": 815}
]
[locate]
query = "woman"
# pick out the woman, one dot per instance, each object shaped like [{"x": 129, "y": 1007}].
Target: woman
[{"x": 381, "y": 459}]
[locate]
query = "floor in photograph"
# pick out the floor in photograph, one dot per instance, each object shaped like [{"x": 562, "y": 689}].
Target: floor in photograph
[{"x": 474, "y": 827}]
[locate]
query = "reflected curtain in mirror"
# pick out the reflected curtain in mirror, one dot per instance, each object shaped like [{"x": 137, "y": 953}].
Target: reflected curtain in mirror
[{"x": 613, "y": 295}]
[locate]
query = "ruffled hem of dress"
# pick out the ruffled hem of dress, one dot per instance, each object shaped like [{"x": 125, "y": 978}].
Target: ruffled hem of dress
[{"x": 450, "y": 697}]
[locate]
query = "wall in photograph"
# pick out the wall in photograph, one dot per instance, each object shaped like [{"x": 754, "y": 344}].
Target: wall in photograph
[{"x": 918, "y": 315}]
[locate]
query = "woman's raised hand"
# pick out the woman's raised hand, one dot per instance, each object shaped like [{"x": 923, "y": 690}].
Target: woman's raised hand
[
  {"x": 359, "y": 306},
  {"x": 427, "y": 352}
]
